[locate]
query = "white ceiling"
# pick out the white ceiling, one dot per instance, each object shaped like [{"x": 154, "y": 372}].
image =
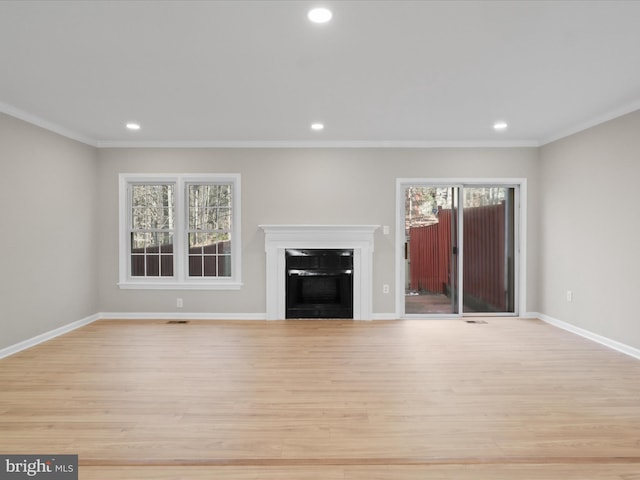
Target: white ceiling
[{"x": 396, "y": 73}]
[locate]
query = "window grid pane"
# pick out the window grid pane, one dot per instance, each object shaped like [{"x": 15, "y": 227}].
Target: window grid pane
[
  {"x": 152, "y": 230},
  {"x": 209, "y": 230}
]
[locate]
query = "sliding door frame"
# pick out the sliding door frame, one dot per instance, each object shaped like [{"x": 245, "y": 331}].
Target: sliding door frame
[{"x": 520, "y": 235}]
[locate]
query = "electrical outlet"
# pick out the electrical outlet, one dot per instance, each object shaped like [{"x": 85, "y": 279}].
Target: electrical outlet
[
  {"x": 385, "y": 288},
  {"x": 385, "y": 230},
  {"x": 569, "y": 296},
  {"x": 179, "y": 303}
]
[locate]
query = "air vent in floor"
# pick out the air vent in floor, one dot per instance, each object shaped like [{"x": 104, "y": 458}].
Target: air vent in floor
[{"x": 177, "y": 322}]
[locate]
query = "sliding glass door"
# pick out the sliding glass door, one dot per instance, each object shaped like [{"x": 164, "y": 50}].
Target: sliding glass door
[
  {"x": 459, "y": 249},
  {"x": 431, "y": 250},
  {"x": 489, "y": 249}
]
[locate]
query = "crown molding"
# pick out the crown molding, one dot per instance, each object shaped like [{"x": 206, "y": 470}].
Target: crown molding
[
  {"x": 47, "y": 125},
  {"x": 605, "y": 117},
  {"x": 320, "y": 144},
  {"x": 522, "y": 143}
]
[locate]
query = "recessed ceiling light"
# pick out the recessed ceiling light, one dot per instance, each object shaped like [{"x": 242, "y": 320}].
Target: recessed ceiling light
[
  {"x": 319, "y": 15},
  {"x": 133, "y": 126},
  {"x": 317, "y": 126},
  {"x": 500, "y": 125}
]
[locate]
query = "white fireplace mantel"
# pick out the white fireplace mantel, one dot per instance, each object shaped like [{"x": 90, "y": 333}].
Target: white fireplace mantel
[{"x": 278, "y": 238}]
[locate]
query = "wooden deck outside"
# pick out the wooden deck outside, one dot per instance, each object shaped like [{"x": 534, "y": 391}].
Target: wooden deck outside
[
  {"x": 510, "y": 399},
  {"x": 427, "y": 303}
]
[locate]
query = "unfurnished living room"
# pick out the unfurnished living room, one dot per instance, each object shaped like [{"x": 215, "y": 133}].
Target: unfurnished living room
[{"x": 319, "y": 240}]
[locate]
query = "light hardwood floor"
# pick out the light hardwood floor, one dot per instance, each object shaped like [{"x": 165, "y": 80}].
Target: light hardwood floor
[{"x": 510, "y": 399}]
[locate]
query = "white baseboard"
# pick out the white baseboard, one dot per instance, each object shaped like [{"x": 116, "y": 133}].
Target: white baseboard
[
  {"x": 384, "y": 316},
  {"x": 31, "y": 342},
  {"x": 43, "y": 337},
  {"x": 607, "y": 342},
  {"x": 180, "y": 316},
  {"x": 205, "y": 316}
]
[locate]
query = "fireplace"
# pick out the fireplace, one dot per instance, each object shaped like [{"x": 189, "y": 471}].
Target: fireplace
[
  {"x": 319, "y": 283},
  {"x": 356, "y": 238}
]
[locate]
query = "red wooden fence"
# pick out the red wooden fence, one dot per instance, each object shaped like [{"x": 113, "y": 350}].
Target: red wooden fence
[
  {"x": 157, "y": 260},
  {"x": 430, "y": 253}
]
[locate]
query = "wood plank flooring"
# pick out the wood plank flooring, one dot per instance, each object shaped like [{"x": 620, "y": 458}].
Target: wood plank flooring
[{"x": 512, "y": 398}]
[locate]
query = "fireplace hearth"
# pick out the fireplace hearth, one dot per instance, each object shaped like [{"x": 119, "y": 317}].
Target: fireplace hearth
[
  {"x": 356, "y": 238},
  {"x": 319, "y": 283}
]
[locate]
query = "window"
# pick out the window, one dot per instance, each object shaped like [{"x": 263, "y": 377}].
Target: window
[
  {"x": 179, "y": 231},
  {"x": 152, "y": 230},
  {"x": 209, "y": 230}
]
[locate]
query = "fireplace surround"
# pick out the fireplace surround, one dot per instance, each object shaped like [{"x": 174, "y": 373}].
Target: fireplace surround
[{"x": 357, "y": 238}]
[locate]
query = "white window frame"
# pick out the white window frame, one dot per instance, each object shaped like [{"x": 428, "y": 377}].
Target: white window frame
[{"x": 180, "y": 279}]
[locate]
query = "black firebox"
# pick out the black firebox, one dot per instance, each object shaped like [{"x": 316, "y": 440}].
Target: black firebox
[{"x": 319, "y": 283}]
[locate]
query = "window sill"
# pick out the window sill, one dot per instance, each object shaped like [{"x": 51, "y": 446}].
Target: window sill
[{"x": 180, "y": 285}]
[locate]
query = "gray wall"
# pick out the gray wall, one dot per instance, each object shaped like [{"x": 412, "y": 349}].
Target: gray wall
[
  {"x": 49, "y": 231},
  {"x": 60, "y": 238},
  {"x": 289, "y": 186},
  {"x": 60, "y": 227},
  {"x": 591, "y": 228}
]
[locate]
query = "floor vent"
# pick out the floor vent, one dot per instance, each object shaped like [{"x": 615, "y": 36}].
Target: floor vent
[
  {"x": 177, "y": 322},
  {"x": 476, "y": 321}
]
